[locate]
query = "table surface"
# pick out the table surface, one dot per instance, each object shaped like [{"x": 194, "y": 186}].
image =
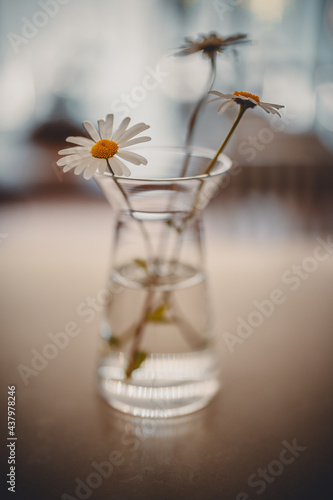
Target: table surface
[{"x": 277, "y": 384}]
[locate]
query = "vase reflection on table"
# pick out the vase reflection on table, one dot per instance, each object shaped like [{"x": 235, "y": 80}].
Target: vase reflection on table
[{"x": 157, "y": 355}]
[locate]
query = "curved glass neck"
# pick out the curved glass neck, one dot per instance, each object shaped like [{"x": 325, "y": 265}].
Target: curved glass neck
[{"x": 158, "y": 187}]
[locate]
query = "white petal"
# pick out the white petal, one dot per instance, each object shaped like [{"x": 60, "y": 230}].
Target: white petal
[
  {"x": 225, "y": 105},
  {"x": 101, "y": 128},
  {"x": 126, "y": 171},
  {"x": 71, "y": 165},
  {"x": 131, "y": 132},
  {"x": 79, "y": 169},
  {"x": 82, "y": 166},
  {"x": 216, "y": 92},
  {"x": 120, "y": 166},
  {"x": 76, "y": 149},
  {"x": 215, "y": 99},
  {"x": 277, "y": 106},
  {"x": 270, "y": 109},
  {"x": 264, "y": 107},
  {"x": 67, "y": 159},
  {"x": 98, "y": 163},
  {"x": 89, "y": 172},
  {"x": 121, "y": 129},
  {"x": 67, "y": 168},
  {"x": 115, "y": 167},
  {"x": 132, "y": 157},
  {"x": 221, "y": 95},
  {"x": 144, "y": 138},
  {"x": 275, "y": 112},
  {"x": 108, "y": 126},
  {"x": 274, "y": 108},
  {"x": 81, "y": 141},
  {"x": 102, "y": 166},
  {"x": 91, "y": 131}
]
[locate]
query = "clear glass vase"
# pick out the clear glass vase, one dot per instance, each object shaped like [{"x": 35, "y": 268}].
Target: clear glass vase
[{"x": 157, "y": 356}]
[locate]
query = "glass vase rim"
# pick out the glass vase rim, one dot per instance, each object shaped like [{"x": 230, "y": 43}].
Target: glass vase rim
[{"x": 223, "y": 159}]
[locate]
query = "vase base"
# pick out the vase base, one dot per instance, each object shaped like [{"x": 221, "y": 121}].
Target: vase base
[
  {"x": 161, "y": 408},
  {"x": 162, "y": 393}
]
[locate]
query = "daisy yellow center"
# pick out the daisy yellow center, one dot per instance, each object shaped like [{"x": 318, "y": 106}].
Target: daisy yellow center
[
  {"x": 104, "y": 149},
  {"x": 247, "y": 94}
]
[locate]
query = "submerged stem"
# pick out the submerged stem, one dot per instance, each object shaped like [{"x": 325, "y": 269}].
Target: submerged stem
[
  {"x": 183, "y": 326},
  {"x": 139, "y": 333}
]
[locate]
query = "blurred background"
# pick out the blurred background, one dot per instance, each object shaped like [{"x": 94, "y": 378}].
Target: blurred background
[{"x": 65, "y": 61}]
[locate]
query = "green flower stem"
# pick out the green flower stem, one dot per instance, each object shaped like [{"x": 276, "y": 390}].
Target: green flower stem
[
  {"x": 140, "y": 222},
  {"x": 194, "y": 116},
  {"x": 153, "y": 313},
  {"x": 134, "y": 353},
  {"x": 184, "y": 327},
  {"x": 139, "y": 333},
  {"x": 190, "y": 131},
  {"x": 147, "y": 309},
  {"x": 139, "y": 330},
  {"x": 241, "y": 112}
]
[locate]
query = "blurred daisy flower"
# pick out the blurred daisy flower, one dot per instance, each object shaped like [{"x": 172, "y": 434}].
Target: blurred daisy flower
[
  {"x": 210, "y": 44},
  {"x": 245, "y": 100},
  {"x": 105, "y": 149}
]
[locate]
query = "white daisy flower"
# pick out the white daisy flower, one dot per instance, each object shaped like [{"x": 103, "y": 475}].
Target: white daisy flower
[
  {"x": 104, "y": 148},
  {"x": 244, "y": 99},
  {"x": 210, "y": 44}
]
